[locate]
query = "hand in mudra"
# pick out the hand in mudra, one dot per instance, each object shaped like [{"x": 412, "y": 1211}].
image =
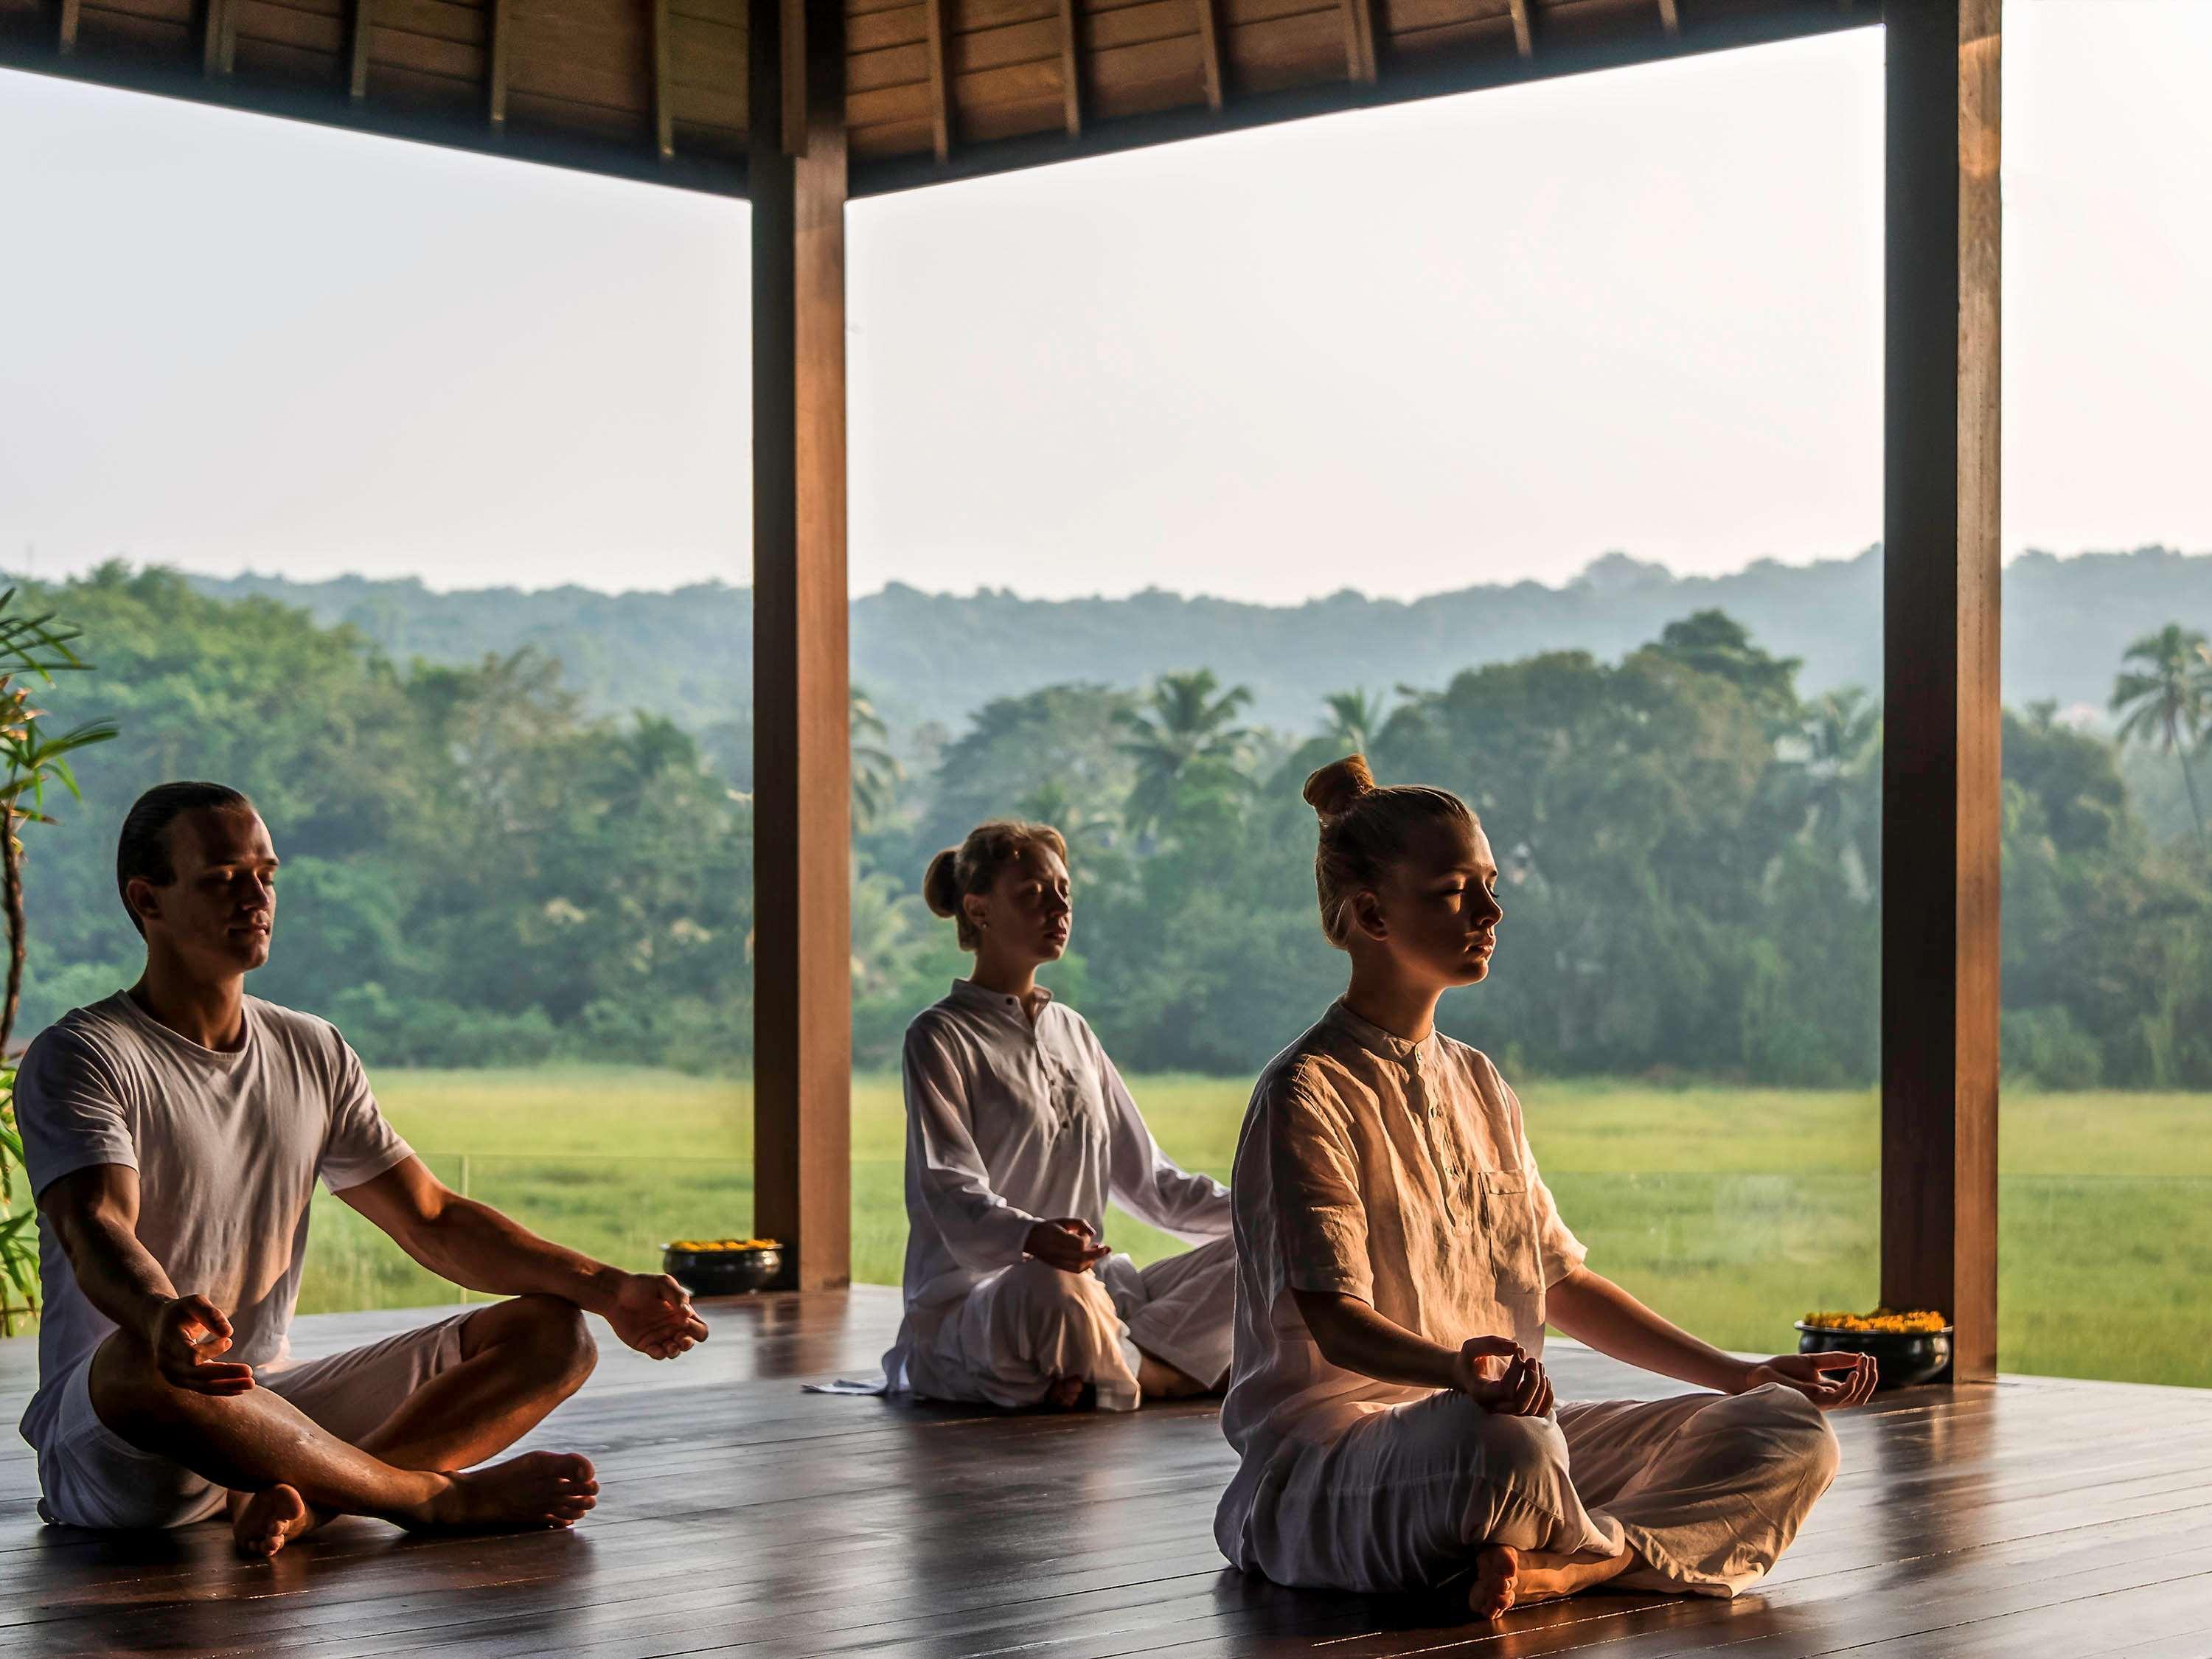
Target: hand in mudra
[
  {"x": 188, "y": 1334},
  {"x": 653, "y": 1313},
  {"x": 1494, "y": 1373},
  {"x": 1830, "y": 1380},
  {"x": 1067, "y": 1244}
]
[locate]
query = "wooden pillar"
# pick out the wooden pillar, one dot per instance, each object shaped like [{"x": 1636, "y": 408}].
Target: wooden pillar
[
  {"x": 802, "y": 983},
  {"x": 1941, "y": 777}
]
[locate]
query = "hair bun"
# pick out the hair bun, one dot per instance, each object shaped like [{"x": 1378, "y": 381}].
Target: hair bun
[
  {"x": 940, "y": 884},
  {"x": 1331, "y": 791}
]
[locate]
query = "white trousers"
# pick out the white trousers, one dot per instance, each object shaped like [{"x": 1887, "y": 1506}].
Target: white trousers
[
  {"x": 1708, "y": 1489},
  {"x": 1006, "y": 1341}
]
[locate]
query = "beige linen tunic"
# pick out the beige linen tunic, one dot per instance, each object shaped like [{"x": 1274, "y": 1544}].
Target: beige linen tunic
[
  {"x": 1011, "y": 1122},
  {"x": 1399, "y": 1173}
]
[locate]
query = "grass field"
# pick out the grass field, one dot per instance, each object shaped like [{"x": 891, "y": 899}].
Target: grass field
[{"x": 1734, "y": 1210}]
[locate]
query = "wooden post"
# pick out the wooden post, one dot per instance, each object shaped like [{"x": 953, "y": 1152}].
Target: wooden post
[
  {"x": 802, "y": 810},
  {"x": 1940, "y": 762},
  {"x": 357, "y": 65},
  {"x": 1071, "y": 67},
  {"x": 939, "y": 36},
  {"x": 503, "y": 13},
  {"x": 1209, "y": 51},
  {"x": 664, "y": 88}
]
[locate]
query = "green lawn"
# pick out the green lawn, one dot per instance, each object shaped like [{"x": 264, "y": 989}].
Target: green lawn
[{"x": 1732, "y": 1209}]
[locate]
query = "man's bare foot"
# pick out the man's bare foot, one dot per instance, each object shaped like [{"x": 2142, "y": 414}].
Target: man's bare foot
[
  {"x": 538, "y": 1489},
  {"x": 1497, "y": 1582},
  {"x": 262, "y": 1522},
  {"x": 1064, "y": 1393}
]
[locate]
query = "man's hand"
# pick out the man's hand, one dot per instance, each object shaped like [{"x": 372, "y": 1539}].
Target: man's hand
[
  {"x": 1830, "y": 1380},
  {"x": 653, "y": 1313},
  {"x": 187, "y": 1334},
  {"x": 1067, "y": 1244},
  {"x": 1494, "y": 1373}
]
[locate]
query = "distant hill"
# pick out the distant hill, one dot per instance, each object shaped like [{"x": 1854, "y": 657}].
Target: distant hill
[{"x": 937, "y": 656}]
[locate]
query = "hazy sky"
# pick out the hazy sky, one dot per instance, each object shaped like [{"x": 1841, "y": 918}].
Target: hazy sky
[{"x": 1466, "y": 340}]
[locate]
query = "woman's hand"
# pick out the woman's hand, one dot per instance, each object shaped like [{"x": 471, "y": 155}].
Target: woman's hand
[
  {"x": 1494, "y": 1373},
  {"x": 1830, "y": 1380},
  {"x": 1067, "y": 1244}
]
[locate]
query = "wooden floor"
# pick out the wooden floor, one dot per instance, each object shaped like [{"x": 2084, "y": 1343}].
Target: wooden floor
[{"x": 742, "y": 1516}]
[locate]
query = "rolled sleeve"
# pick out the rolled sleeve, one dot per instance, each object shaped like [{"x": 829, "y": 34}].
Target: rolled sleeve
[{"x": 1321, "y": 1224}]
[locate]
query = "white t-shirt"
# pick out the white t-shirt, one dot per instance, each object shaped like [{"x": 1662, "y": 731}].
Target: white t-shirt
[{"x": 227, "y": 1147}]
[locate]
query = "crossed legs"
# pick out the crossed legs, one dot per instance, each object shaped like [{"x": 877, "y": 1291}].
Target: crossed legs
[{"x": 286, "y": 1472}]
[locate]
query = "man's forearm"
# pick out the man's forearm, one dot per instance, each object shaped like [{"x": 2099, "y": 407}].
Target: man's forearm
[
  {"x": 476, "y": 1247},
  {"x": 1592, "y": 1309},
  {"x": 1354, "y": 1336},
  {"x": 117, "y": 1274}
]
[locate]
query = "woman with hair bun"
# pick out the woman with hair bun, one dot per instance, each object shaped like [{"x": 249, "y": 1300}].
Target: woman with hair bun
[
  {"x": 1018, "y": 1131},
  {"x": 1397, "y": 1258}
]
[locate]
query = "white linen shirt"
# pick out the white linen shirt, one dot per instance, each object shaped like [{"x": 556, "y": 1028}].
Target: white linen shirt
[
  {"x": 1394, "y": 1172},
  {"x": 1010, "y": 1122}
]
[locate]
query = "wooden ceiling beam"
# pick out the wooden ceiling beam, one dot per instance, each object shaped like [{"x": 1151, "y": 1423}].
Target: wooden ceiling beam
[
  {"x": 1524, "y": 30},
  {"x": 502, "y": 24},
  {"x": 66, "y": 33},
  {"x": 1359, "y": 41},
  {"x": 357, "y": 70},
  {"x": 1671, "y": 18},
  {"x": 1071, "y": 66},
  {"x": 940, "y": 79},
  {"x": 218, "y": 37},
  {"x": 1209, "y": 51},
  {"x": 664, "y": 106}
]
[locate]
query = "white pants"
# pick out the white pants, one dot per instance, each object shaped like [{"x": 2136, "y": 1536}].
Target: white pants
[
  {"x": 91, "y": 1476},
  {"x": 1006, "y": 1341},
  {"x": 1708, "y": 1489}
]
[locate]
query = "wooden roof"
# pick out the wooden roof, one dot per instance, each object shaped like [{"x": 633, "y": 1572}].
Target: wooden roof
[{"x": 934, "y": 88}]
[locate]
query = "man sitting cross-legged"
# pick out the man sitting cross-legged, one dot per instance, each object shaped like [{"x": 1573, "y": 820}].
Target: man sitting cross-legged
[{"x": 173, "y": 1134}]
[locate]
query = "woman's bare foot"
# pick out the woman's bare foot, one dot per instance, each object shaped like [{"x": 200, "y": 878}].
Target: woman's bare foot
[
  {"x": 262, "y": 1522},
  {"x": 1161, "y": 1380},
  {"x": 1064, "y": 1393},
  {"x": 538, "y": 1489},
  {"x": 1497, "y": 1582}
]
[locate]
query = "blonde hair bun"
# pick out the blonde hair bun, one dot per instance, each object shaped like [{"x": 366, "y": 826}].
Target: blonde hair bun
[
  {"x": 1331, "y": 791},
  {"x": 940, "y": 884}
]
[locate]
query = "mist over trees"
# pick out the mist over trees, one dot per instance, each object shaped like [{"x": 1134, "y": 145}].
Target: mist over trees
[{"x": 484, "y": 866}]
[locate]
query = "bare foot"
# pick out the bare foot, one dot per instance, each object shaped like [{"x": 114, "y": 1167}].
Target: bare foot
[
  {"x": 1497, "y": 1582},
  {"x": 1064, "y": 1393},
  {"x": 538, "y": 1489},
  {"x": 262, "y": 1522}
]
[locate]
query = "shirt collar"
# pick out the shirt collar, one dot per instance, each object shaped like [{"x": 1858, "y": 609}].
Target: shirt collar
[
  {"x": 1384, "y": 1045},
  {"x": 968, "y": 994}
]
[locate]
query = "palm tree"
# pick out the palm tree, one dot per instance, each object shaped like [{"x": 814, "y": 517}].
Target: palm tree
[
  {"x": 1354, "y": 718},
  {"x": 1842, "y": 733},
  {"x": 876, "y": 771},
  {"x": 2168, "y": 701},
  {"x": 1181, "y": 737}
]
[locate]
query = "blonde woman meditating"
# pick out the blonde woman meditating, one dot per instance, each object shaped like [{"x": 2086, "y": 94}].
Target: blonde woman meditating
[
  {"x": 1018, "y": 1131},
  {"x": 1398, "y": 1257}
]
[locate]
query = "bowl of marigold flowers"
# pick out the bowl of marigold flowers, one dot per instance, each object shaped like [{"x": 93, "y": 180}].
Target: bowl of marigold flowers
[
  {"x": 1906, "y": 1347},
  {"x": 722, "y": 1267}
]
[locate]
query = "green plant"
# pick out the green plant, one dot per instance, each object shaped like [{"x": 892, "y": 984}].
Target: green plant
[{"x": 30, "y": 759}]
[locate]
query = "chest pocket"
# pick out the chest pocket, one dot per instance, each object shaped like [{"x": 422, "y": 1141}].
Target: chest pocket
[{"x": 1508, "y": 1227}]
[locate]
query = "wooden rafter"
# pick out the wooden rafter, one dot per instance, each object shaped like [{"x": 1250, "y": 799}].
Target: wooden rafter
[
  {"x": 1671, "y": 16},
  {"x": 217, "y": 38},
  {"x": 357, "y": 71},
  {"x": 1209, "y": 51},
  {"x": 65, "y": 36},
  {"x": 502, "y": 16},
  {"x": 1359, "y": 40},
  {"x": 1071, "y": 66},
  {"x": 940, "y": 78},
  {"x": 663, "y": 104},
  {"x": 1524, "y": 33}
]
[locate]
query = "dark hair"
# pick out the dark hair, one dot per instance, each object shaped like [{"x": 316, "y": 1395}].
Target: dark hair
[
  {"x": 1364, "y": 830},
  {"x": 142, "y": 848},
  {"x": 974, "y": 866}
]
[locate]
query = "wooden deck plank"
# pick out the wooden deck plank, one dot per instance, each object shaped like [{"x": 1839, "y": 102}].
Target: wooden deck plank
[{"x": 742, "y": 1516}]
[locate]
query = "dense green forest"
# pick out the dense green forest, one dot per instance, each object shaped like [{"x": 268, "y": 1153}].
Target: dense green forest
[
  {"x": 689, "y": 655},
  {"x": 484, "y": 867}
]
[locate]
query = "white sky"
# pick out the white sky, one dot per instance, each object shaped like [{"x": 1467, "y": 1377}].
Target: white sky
[{"x": 1472, "y": 339}]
